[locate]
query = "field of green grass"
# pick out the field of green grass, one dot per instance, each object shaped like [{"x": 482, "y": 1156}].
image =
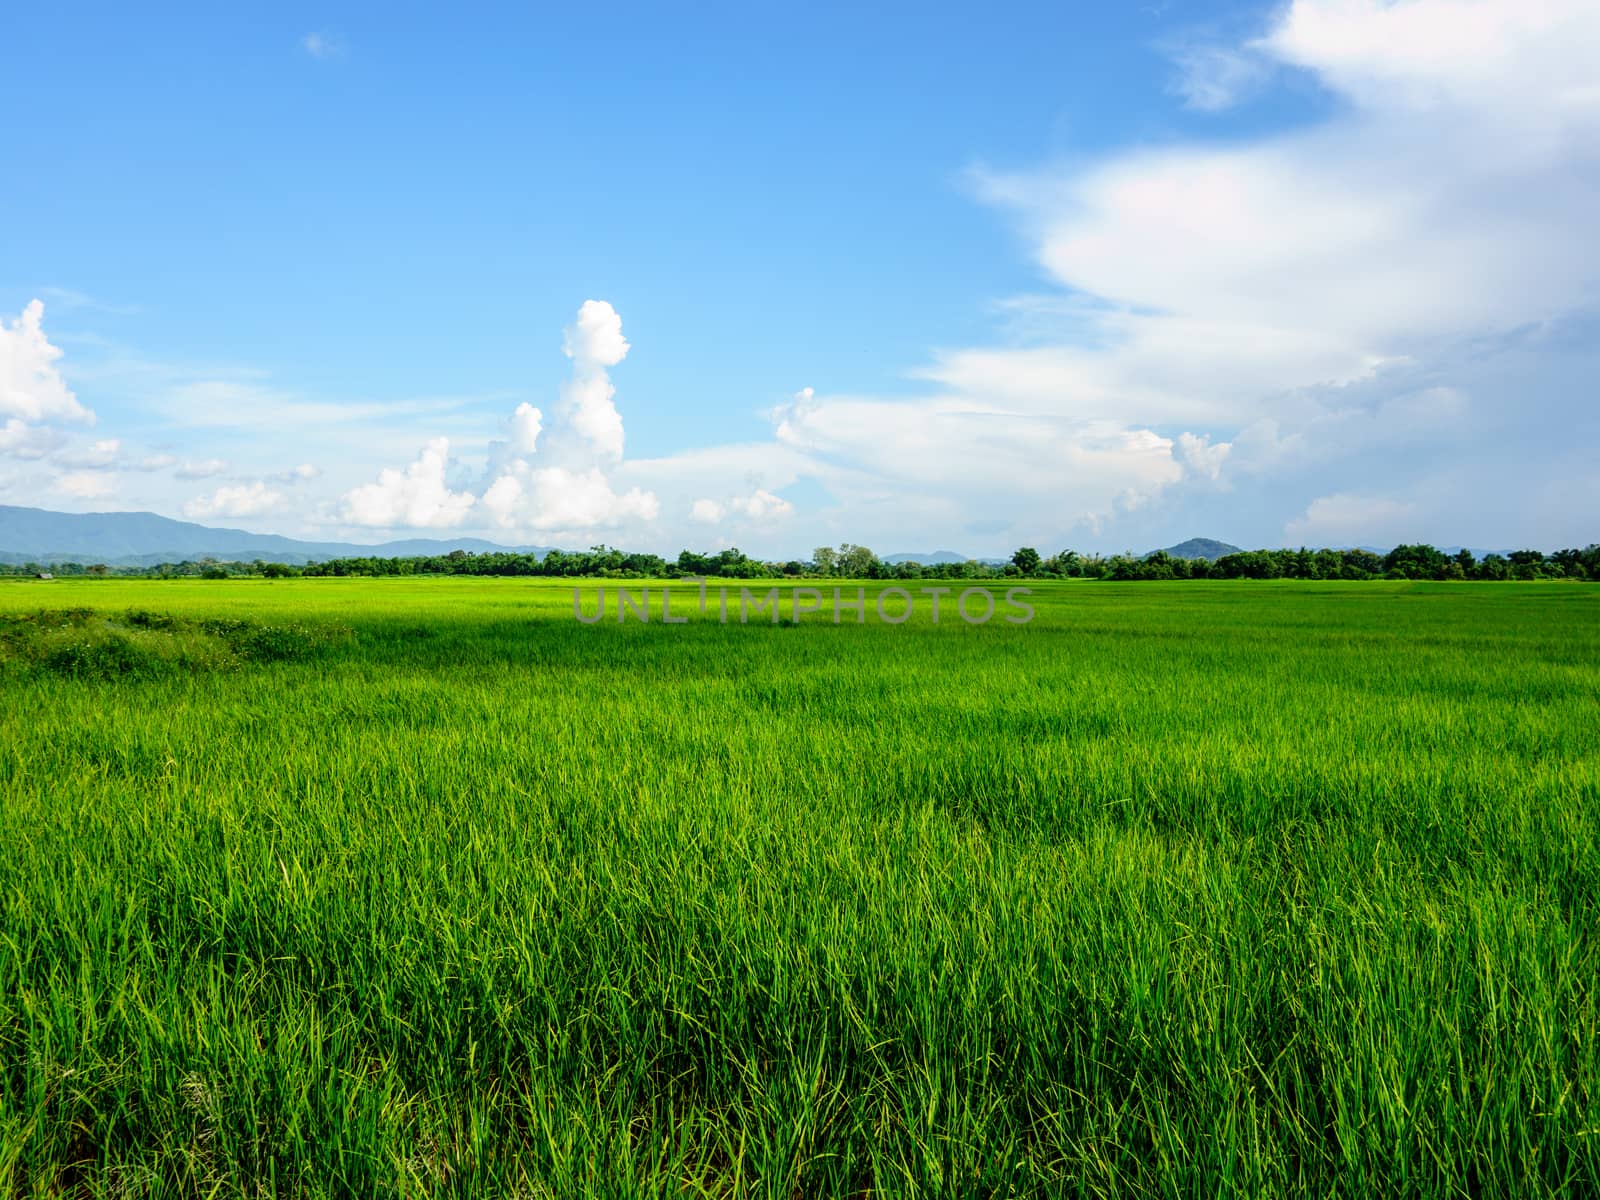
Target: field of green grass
[{"x": 420, "y": 887}]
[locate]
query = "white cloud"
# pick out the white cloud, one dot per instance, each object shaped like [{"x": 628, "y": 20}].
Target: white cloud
[
  {"x": 297, "y": 474},
  {"x": 33, "y": 395},
  {"x": 416, "y": 498},
  {"x": 1345, "y": 519},
  {"x": 1200, "y": 456},
  {"x": 102, "y": 453},
  {"x": 201, "y": 469},
  {"x": 566, "y": 488},
  {"x": 1331, "y": 292},
  {"x": 557, "y": 498},
  {"x": 527, "y": 423},
  {"x": 595, "y": 338},
  {"x": 155, "y": 462},
  {"x": 1212, "y": 78},
  {"x": 760, "y": 505},
  {"x": 245, "y": 500},
  {"x": 86, "y": 485},
  {"x": 21, "y": 440}
]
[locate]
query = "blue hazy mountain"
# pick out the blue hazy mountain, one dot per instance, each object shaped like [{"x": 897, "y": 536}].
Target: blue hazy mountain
[{"x": 144, "y": 539}]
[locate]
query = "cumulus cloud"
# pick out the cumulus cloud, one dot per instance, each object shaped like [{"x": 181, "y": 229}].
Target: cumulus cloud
[
  {"x": 1333, "y": 299},
  {"x": 245, "y": 500},
  {"x": 201, "y": 469},
  {"x": 527, "y": 423},
  {"x": 536, "y": 478},
  {"x": 31, "y": 388},
  {"x": 154, "y": 462},
  {"x": 21, "y": 440},
  {"x": 33, "y": 395},
  {"x": 760, "y": 505},
  {"x": 1200, "y": 456},
  {"x": 1263, "y": 294},
  {"x": 86, "y": 485},
  {"x": 1346, "y": 519},
  {"x": 415, "y": 498},
  {"x": 297, "y": 474},
  {"x": 102, "y": 453},
  {"x": 558, "y": 498},
  {"x": 557, "y": 479},
  {"x": 589, "y": 425}
]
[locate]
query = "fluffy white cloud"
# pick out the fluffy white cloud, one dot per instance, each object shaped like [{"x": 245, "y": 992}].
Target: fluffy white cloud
[
  {"x": 1333, "y": 292},
  {"x": 1346, "y": 519},
  {"x": 760, "y": 505},
  {"x": 556, "y": 498},
  {"x": 560, "y": 485},
  {"x": 201, "y": 469},
  {"x": 31, "y": 388},
  {"x": 567, "y": 488},
  {"x": 245, "y": 500},
  {"x": 86, "y": 485},
  {"x": 33, "y": 396},
  {"x": 595, "y": 338},
  {"x": 21, "y": 440},
  {"x": 527, "y": 423},
  {"x": 1200, "y": 456},
  {"x": 155, "y": 462},
  {"x": 102, "y": 453},
  {"x": 416, "y": 498}
]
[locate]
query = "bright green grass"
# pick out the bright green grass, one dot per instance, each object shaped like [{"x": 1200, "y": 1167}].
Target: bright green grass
[{"x": 1181, "y": 890}]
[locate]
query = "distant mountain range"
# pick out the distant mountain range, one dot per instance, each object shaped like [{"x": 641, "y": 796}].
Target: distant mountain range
[
  {"x": 927, "y": 560},
  {"x": 1207, "y": 548},
  {"x": 142, "y": 539}
]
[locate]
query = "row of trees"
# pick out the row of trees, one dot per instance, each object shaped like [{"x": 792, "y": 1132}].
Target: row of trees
[
  {"x": 851, "y": 561},
  {"x": 1411, "y": 561}
]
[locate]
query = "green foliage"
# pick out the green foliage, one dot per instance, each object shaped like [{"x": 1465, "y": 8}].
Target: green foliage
[
  {"x": 140, "y": 644},
  {"x": 1210, "y": 889}
]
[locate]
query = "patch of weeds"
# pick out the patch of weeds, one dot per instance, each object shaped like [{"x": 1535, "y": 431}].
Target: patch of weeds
[
  {"x": 56, "y": 618},
  {"x": 110, "y": 656},
  {"x": 274, "y": 643},
  {"x": 140, "y": 644},
  {"x": 145, "y": 619}
]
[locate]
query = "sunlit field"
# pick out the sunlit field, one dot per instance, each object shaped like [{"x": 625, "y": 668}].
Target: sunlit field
[{"x": 422, "y": 887}]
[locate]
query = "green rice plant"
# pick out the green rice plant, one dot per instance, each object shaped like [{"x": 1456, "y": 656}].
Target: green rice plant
[{"x": 1222, "y": 889}]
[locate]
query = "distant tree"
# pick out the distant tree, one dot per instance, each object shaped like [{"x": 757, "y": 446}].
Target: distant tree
[
  {"x": 824, "y": 560},
  {"x": 1417, "y": 561},
  {"x": 1360, "y": 564},
  {"x": 1026, "y": 560},
  {"x": 856, "y": 562},
  {"x": 1069, "y": 564}
]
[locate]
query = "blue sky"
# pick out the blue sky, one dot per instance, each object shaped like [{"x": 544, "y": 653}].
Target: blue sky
[{"x": 920, "y": 277}]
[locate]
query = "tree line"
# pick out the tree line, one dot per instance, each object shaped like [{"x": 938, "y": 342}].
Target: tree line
[{"x": 851, "y": 561}]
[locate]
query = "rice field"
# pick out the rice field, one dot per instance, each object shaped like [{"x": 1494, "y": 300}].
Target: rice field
[{"x": 421, "y": 887}]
